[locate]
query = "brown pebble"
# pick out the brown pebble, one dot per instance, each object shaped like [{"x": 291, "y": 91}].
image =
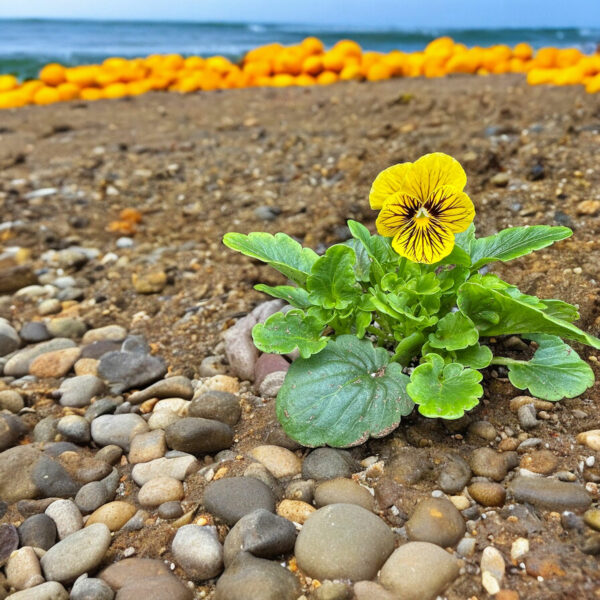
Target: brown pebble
[
  {"x": 483, "y": 429},
  {"x": 519, "y": 401},
  {"x": 86, "y": 366},
  {"x": 541, "y": 461},
  {"x": 543, "y": 566},
  {"x": 295, "y": 510},
  {"x": 508, "y": 445},
  {"x": 54, "y": 364},
  {"x": 507, "y": 595},
  {"x": 487, "y": 493}
]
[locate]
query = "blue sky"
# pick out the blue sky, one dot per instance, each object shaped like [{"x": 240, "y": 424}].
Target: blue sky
[{"x": 403, "y": 14}]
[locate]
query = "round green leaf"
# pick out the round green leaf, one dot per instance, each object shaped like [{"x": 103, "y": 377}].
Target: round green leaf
[
  {"x": 343, "y": 395},
  {"x": 455, "y": 331},
  {"x": 444, "y": 390},
  {"x": 555, "y": 371}
]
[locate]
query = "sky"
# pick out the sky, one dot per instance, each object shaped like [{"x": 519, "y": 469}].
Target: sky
[{"x": 401, "y": 14}]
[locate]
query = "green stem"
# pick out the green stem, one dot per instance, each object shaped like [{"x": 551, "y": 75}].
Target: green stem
[
  {"x": 408, "y": 347},
  {"x": 503, "y": 360},
  {"x": 402, "y": 266}
]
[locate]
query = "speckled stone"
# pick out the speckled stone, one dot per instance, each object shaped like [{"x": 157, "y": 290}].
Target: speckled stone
[
  {"x": 436, "y": 520},
  {"x": 198, "y": 551},
  {"x": 160, "y": 490}
]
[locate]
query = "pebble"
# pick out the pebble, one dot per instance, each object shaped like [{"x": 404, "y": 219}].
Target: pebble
[
  {"x": 369, "y": 590},
  {"x": 51, "y": 590},
  {"x": 261, "y": 533},
  {"x": 590, "y": 438},
  {"x": 159, "y": 490},
  {"x": 487, "y": 493},
  {"x": 23, "y": 569},
  {"x": 466, "y": 546},
  {"x": 454, "y": 474},
  {"x": 333, "y": 590},
  {"x": 38, "y": 531},
  {"x": 34, "y": 332},
  {"x": 110, "y": 454},
  {"x": 170, "y": 510},
  {"x": 549, "y": 493},
  {"x": 419, "y": 571},
  {"x": 152, "y": 282},
  {"x": 343, "y": 541},
  {"x": 271, "y": 384},
  {"x": 9, "y": 541},
  {"x": 328, "y": 463},
  {"x": 541, "y": 461},
  {"x": 295, "y": 510},
  {"x": 519, "y": 401},
  {"x": 90, "y": 588},
  {"x": 267, "y": 364},
  {"x": 83, "y": 468},
  {"x": 592, "y": 518},
  {"x": 54, "y": 364},
  {"x": 97, "y": 350},
  {"x": 486, "y": 462},
  {"x": 198, "y": 551},
  {"x": 407, "y": 467},
  {"x": 102, "y": 406},
  {"x": 221, "y": 383},
  {"x": 11, "y": 400},
  {"x": 78, "y": 391},
  {"x": 281, "y": 462},
  {"x": 11, "y": 429},
  {"x": 518, "y": 549},
  {"x": 114, "y": 515},
  {"x": 179, "y": 406},
  {"x": 240, "y": 350},
  {"x": 27, "y": 508},
  {"x": 18, "y": 364},
  {"x": 261, "y": 473},
  {"x": 483, "y": 429},
  {"x": 179, "y": 468},
  {"x": 9, "y": 338},
  {"x": 436, "y": 520},
  {"x": 117, "y": 429},
  {"x": 86, "y": 366},
  {"x": 91, "y": 496},
  {"x": 527, "y": 416},
  {"x": 66, "y": 517},
  {"x": 74, "y": 428},
  {"x": 492, "y": 569},
  {"x": 16, "y": 468},
  {"x": 343, "y": 491},
  {"x": 231, "y": 498},
  {"x": 125, "y": 370},
  {"x": 220, "y": 406},
  {"x": 111, "y": 333},
  {"x": 147, "y": 446},
  {"x": 53, "y": 480},
  {"x": 256, "y": 578},
  {"x": 172, "y": 387},
  {"x": 78, "y": 553},
  {"x": 500, "y": 180},
  {"x": 199, "y": 436},
  {"x": 460, "y": 502},
  {"x": 66, "y": 327},
  {"x": 302, "y": 490}
]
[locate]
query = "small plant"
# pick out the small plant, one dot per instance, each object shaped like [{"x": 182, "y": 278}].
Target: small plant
[{"x": 386, "y": 322}]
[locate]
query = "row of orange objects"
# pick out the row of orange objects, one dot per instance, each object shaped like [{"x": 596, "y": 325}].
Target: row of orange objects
[{"x": 307, "y": 63}]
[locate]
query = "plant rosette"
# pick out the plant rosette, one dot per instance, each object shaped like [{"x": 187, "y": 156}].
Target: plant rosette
[{"x": 402, "y": 318}]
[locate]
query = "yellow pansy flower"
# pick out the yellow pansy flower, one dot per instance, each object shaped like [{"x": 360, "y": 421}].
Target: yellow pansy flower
[{"x": 422, "y": 205}]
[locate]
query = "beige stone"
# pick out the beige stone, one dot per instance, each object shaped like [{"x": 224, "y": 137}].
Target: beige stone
[
  {"x": 114, "y": 515},
  {"x": 54, "y": 364}
]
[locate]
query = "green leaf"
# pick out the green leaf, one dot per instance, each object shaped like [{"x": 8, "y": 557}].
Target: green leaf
[
  {"x": 297, "y": 297},
  {"x": 455, "y": 331},
  {"x": 280, "y": 251},
  {"x": 362, "y": 321},
  {"x": 458, "y": 257},
  {"x": 560, "y": 310},
  {"x": 476, "y": 356},
  {"x": 514, "y": 242},
  {"x": 331, "y": 283},
  {"x": 362, "y": 266},
  {"x": 464, "y": 240},
  {"x": 495, "y": 313},
  {"x": 283, "y": 333},
  {"x": 377, "y": 247},
  {"x": 555, "y": 371},
  {"x": 444, "y": 390},
  {"x": 343, "y": 395}
]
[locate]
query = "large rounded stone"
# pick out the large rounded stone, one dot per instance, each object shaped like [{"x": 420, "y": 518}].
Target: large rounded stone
[
  {"x": 198, "y": 551},
  {"x": 418, "y": 571},
  {"x": 261, "y": 533},
  {"x": 220, "y": 406},
  {"x": 198, "y": 436},
  {"x": 124, "y": 370},
  {"x": 51, "y": 590},
  {"x": 78, "y": 553},
  {"x": 256, "y": 578},
  {"x": 281, "y": 462},
  {"x": 117, "y": 429},
  {"x": 550, "y": 493},
  {"x": 436, "y": 520},
  {"x": 232, "y": 498},
  {"x": 114, "y": 515},
  {"x": 343, "y": 491},
  {"x": 328, "y": 463},
  {"x": 38, "y": 531},
  {"x": 159, "y": 490},
  {"x": 343, "y": 541}
]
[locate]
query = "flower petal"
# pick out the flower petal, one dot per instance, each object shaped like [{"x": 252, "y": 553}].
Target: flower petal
[
  {"x": 432, "y": 171},
  {"x": 424, "y": 243},
  {"x": 451, "y": 207},
  {"x": 388, "y": 182},
  {"x": 396, "y": 213}
]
